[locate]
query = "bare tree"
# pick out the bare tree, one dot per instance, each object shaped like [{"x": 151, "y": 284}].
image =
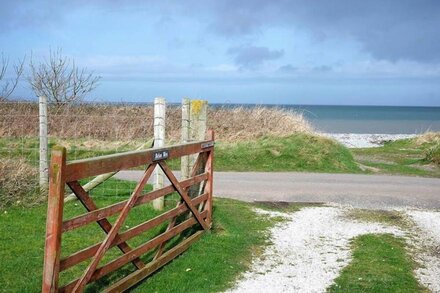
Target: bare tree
[
  {"x": 8, "y": 85},
  {"x": 60, "y": 80}
]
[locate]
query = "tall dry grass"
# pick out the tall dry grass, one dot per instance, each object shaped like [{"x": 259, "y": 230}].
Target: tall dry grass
[
  {"x": 432, "y": 139},
  {"x": 18, "y": 184},
  {"x": 428, "y": 137},
  {"x": 242, "y": 123},
  {"x": 129, "y": 122}
]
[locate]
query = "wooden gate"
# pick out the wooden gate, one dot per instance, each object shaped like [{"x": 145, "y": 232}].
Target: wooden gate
[{"x": 198, "y": 206}]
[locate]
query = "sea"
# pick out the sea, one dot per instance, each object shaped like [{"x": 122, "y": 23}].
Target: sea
[{"x": 366, "y": 119}]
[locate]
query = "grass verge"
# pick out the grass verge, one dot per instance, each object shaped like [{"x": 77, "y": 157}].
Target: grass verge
[
  {"x": 404, "y": 157},
  {"x": 211, "y": 264},
  {"x": 299, "y": 152},
  {"x": 380, "y": 264},
  {"x": 387, "y": 217}
]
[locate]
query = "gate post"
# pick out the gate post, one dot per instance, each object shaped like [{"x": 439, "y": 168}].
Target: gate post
[
  {"x": 54, "y": 222},
  {"x": 185, "y": 167},
  {"x": 159, "y": 141},
  {"x": 198, "y": 118},
  {"x": 43, "y": 168}
]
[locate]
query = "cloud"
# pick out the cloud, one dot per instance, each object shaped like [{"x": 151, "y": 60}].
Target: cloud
[
  {"x": 391, "y": 30},
  {"x": 17, "y": 14},
  {"x": 288, "y": 68},
  {"x": 250, "y": 57},
  {"x": 21, "y": 13},
  {"x": 388, "y": 30},
  {"x": 322, "y": 68}
]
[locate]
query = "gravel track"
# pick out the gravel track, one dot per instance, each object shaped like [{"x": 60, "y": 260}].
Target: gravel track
[
  {"x": 308, "y": 252},
  {"x": 427, "y": 245}
]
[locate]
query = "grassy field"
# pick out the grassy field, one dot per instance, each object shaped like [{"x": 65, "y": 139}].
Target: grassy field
[
  {"x": 238, "y": 234},
  {"x": 380, "y": 264}
]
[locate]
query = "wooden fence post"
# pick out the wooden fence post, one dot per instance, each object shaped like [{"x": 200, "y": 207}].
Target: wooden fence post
[
  {"x": 43, "y": 167},
  {"x": 198, "y": 119},
  {"x": 185, "y": 167},
  {"x": 54, "y": 222},
  {"x": 159, "y": 141}
]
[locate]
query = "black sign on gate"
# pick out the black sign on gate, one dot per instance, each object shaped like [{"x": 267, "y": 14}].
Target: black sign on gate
[
  {"x": 208, "y": 144},
  {"x": 160, "y": 155}
]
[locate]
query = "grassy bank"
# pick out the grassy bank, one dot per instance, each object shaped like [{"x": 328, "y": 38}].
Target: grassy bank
[
  {"x": 238, "y": 233},
  {"x": 417, "y": 156},
  {"x": 380, "y": 264},
  {"x": 300, "y": 152}
]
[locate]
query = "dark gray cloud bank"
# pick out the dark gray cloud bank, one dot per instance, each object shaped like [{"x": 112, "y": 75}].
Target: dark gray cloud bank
[
  {"x": 250, "y": 57},
  {"x": 389, "y": 30}
]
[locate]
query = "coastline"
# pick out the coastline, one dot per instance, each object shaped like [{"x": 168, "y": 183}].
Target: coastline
[{"x": 367, "y": 140}]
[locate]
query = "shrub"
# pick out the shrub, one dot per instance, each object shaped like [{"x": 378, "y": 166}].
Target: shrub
[
  {"x": 428, "y": 137},
  {"x": 433, "y": 154}
]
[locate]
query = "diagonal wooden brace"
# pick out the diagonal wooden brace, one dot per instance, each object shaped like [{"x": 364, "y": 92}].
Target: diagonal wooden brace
[
  {"x": 90, "y": 205},
  {"x": 183, "y": 194},
  {"x": 171, "y": 224},
  {"x": 82, "y": 282}
]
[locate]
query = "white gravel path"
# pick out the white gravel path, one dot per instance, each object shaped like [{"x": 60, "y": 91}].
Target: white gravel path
[
  {"x": 427, "y": 245},
  {"x": 308, "y": 252}
]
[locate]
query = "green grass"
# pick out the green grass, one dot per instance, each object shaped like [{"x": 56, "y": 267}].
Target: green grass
[
  {"x": 380, "y": 264},
  {"x": 28, "y": 147},
  {"x": 300, "y": 152},
  {"x": 387, "y": 217},
  {"x": 403, "y": 157},
  {"x": 433, "y": 154},
  {"x": 214, "y": 261}
]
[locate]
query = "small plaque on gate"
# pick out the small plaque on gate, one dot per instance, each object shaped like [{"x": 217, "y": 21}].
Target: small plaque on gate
[
  {"x": 206, "y": 145},
  {"x": 160, "y": 155}
]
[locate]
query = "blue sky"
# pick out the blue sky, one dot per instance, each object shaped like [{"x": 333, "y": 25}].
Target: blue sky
[{"x": 277, "y": 52}]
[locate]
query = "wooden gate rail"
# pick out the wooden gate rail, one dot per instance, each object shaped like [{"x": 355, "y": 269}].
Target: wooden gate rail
[{"x": 198, "y": 206}]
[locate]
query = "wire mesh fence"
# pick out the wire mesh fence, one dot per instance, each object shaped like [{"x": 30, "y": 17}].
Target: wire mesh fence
[{"x": 85, "y": 130}]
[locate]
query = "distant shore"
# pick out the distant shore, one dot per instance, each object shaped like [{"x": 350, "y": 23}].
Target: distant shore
[{"x": 356, "y": 140}]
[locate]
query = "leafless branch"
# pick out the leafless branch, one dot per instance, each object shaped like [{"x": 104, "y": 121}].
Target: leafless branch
[
  {"x": 8, "y": 85},
  {"x": 60, "y": 80}
]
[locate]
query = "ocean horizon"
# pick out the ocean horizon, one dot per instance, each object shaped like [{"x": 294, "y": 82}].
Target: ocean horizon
[
  {"x": 371, "y": 119},
  {"x": 359, "y": 119},
  {"x": 364, "y": 119}
]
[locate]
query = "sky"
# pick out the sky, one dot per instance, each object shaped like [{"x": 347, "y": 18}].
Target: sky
[{"x": 342, "y": 52}]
